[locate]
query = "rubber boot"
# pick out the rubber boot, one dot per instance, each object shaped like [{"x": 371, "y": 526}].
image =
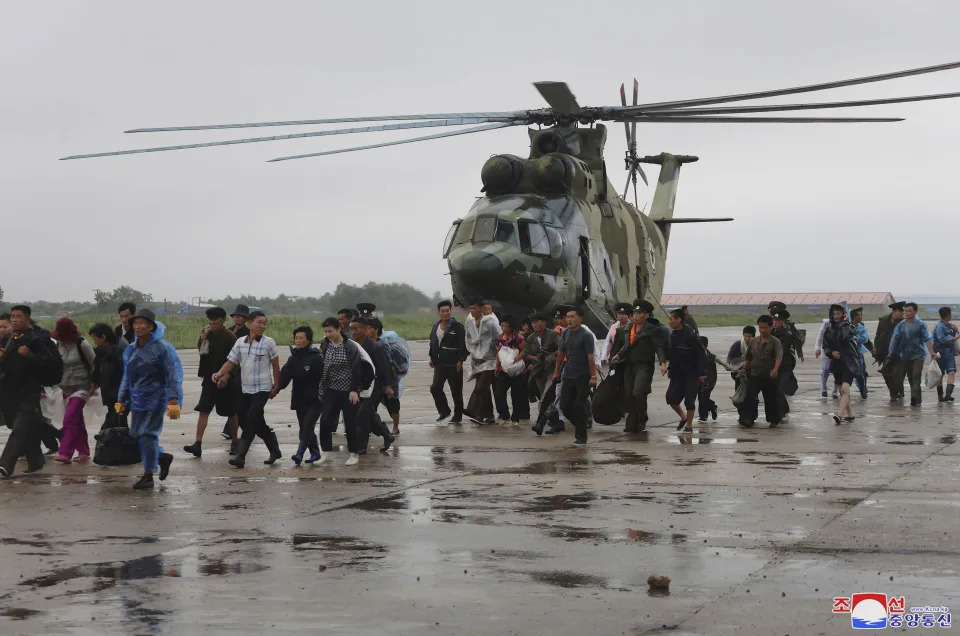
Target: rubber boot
[
  {"x": 239, "y": 460},
  {"x": 194, "y": 449},
  {"x": 298, "y": 456},
  {"x": 940, "y": 394},
  {"x": 948, "y": 397},
  {"x": 273, "y": 445}
]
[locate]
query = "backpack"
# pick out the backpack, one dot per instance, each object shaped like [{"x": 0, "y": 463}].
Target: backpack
[
  {"x": 83, "y": 357},
  {"x": 51, "y": 373},
  {"x": 397, "y": 351},
  {"x": 116, "y": 447}
]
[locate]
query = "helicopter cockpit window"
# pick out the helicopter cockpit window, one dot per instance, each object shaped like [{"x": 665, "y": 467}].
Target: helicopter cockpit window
[
  {"x": 556, "y": 242},
  {"x": 533, "y": 238},
  {"x": 486, "y": 227},
  {"x": 448, "y": 242},
  {"x": 465, "y": 231},
  {"x": 507, "y": 233}
]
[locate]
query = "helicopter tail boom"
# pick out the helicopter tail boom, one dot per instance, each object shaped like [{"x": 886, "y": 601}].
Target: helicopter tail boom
[{"x": 665, "y": 196}]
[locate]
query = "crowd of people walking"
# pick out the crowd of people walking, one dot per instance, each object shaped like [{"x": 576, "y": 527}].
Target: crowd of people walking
[{"x": 553, "y": 361}]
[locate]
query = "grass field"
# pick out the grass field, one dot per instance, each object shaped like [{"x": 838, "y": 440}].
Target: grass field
[{"x": 183, "y": 331}]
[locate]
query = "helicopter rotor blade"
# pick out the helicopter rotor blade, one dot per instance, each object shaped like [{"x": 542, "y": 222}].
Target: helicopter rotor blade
[
  {"x": 336, "y": 120},
  {"x": 660, "y": 118},
  {"x": 633, "y": 126},
  {"x": 626, "y": 126},
  {"x": 643, "y": 175},
  {"x": 559, "y": 96},
  {"x": 451, "y": 133},
  {"x": 703, "y": 101},
  {"x": 772, "y": 108},
  {"x": 626, "y": 188},
  {"x": 319, "y": 133}
]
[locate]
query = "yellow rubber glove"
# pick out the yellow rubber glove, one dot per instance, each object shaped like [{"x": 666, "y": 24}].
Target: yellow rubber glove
[
  {"x": 119, "y": 408},
  {"x": 173, "y": 411}
]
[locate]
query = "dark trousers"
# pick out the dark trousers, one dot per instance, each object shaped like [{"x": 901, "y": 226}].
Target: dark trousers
[
  {"x": 307, "y": 418},
  {"x": 861, "y": 377},
  {"x": 334, "y": 403},
  {"x": 369, "y": 422},
  {"x": 454, "y": 378},
  {"x": 251, "y": 419},
  {"x": 769, "y": 388},
  {"x": 25, "y": 422},
  {"x": 638, "y": 382},
  {"x": 893, "y": 375},
  {"x": 547, "y": 413},
  {"x": 912, "y": 370},
  {"x": 481, "y": 402},
  {"x": 705, "y": 402},
  {"x": 574, "y": 393},
  {"x": 517, "y": 387}
]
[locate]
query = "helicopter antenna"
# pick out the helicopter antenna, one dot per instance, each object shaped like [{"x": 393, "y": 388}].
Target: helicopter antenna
[{"x": 630, "y": 160}]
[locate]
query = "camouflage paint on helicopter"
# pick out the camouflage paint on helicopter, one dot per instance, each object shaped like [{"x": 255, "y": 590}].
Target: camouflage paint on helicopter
[{"x": 551, "y": 230}]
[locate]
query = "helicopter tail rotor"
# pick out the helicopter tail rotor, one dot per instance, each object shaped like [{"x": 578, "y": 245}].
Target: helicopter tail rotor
[{"x": 630, "y": 160}]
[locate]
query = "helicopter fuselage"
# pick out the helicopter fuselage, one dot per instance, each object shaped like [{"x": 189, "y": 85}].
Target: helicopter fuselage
[{"x": 551, "y": 231}]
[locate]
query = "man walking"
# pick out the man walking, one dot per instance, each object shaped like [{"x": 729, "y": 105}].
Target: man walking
[
  {"x": 687, "y": 370},
  {"x": 862, "y": 337},
  {"x": 239, "y": 316},
  {"x": 540, "y": 353},
  {"x": 623, "y": 318},
  {"x": 576, "y": 363},
  {"x": 889, "y": 366},
  {"x": 257, "y": 358},
  {"x": 481, "y": 341},
  {"x": 124, "y": 330},
  {"x": 945, "y": 336},
  {"x": 215, "y": 344},
  {"x": 638, "y": 346},
  {"x": 762, "y": 365},
  {"x": 792, "y": 351},
  {"x": 448, "y": 350},
  {"x": 28, "y": 362},
  {"x": 910, "y": 343},
  {"x": 384, "y": 380},
  {"x": 840, "y": 347},
  {"x": 108, "y": 371}
]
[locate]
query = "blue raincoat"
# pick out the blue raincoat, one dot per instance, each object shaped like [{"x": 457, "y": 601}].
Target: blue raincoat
[
  {"x": 152, "y": 374},
  {"x": 910, "y": 339}
]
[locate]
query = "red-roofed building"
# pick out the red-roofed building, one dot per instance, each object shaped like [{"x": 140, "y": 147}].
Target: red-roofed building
[{"x": 872, "y": 302}]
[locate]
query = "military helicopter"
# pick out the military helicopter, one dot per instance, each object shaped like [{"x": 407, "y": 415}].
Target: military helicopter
[{"x": 551, "y": 229}]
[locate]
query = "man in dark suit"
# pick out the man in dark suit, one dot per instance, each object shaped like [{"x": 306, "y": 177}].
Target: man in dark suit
[{"x": 448, "y": 350}]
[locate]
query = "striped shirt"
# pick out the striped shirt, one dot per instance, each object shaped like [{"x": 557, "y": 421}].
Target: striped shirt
[{"x": 255, "y": 362}]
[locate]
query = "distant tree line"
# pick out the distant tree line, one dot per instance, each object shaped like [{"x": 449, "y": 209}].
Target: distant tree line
[{"x": 391, "y": 298}]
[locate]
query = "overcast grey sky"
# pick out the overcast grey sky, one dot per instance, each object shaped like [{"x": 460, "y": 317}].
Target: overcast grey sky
[{"x": 817, "y": 208}]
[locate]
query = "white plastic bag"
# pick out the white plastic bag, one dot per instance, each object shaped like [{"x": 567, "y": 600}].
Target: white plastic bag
[
  {"x": 507, "y": 356},
  {"x": 932, "y": 376},
  {"x": 956, "y": 347}
]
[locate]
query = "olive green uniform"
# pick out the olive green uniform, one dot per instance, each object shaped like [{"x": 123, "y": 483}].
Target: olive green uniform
[
  {"x": 792, "y": 351},
  {"x": 891, "y": 369},
  {"x": 638, "y": 361}
]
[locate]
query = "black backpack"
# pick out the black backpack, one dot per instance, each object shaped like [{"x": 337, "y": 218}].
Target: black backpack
[
  {"x": 51, "y": 372},
  {"x": 116, "y": 447}
]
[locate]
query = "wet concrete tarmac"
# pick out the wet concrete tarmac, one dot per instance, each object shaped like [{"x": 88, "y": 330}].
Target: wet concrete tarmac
[{"x": 489, "y": 530}]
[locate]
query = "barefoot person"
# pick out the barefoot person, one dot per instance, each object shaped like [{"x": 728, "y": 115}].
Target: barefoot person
[
  {"x": 152, "y": 386},
  {"x": 840, "y": 347},
  {"x": 687, "y": 370}
]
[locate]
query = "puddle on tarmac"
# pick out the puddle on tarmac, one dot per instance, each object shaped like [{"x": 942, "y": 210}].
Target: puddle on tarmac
[
  {"x": 19, "y": 613},
  {"x": 554, "y": 503},
  {"x": 687, "y": 440},
  {"x": 340, "y": 551},
  {"x": 568, "y": 579},
  {"x": 149, "y": 567},
  {"x": 560, "y": 466},
  {"x": 948, "y": 439},
  {"x": 396, "y": 501}
]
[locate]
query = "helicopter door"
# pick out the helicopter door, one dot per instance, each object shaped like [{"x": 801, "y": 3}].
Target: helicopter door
[{"x": 585, "y": 266}]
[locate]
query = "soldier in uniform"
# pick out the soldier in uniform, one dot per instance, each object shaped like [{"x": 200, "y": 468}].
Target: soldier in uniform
[
  {"x": 889, "y": 367},
  {"x": 637, "y": 346},
  {"x": 792, "y": 351}
]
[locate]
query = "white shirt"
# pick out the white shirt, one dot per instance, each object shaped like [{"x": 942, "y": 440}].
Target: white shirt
[{"x": 255, "y": 361}]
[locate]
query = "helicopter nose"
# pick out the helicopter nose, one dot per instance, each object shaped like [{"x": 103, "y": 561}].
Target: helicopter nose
[{"x": 480, "y": 262}]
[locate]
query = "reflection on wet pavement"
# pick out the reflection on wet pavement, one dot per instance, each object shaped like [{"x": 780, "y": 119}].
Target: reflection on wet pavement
[{"x": 491, "y": 530}]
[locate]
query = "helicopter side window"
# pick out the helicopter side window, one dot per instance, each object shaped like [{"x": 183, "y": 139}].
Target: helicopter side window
[
  {"x": 486, "y": 228},
  {"x": 533, "y": 238},
  {"x": 448, "y": 242},
  {"x": 507, "y": 233},
  {"x": 556, "y": 242}
]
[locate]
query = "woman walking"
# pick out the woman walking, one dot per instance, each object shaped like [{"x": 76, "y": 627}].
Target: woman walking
[
  {"x": 304, "y": 368},
  {"x": 78, "y": 358}
]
